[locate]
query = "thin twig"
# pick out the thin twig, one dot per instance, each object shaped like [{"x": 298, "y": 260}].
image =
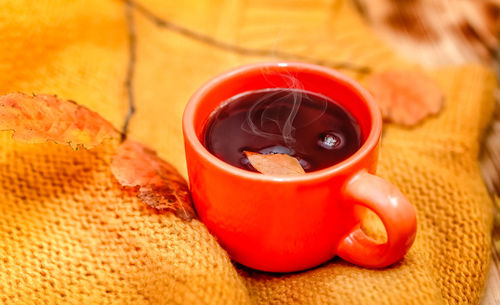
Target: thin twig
[
  {"x": 239, "y": 49},
  {"x": 129, "y": 82}
]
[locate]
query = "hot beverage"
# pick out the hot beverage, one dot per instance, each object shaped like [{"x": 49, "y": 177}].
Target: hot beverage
[
  {"x": 308, "y": 126},
  {"x": 277, "y": 223}
]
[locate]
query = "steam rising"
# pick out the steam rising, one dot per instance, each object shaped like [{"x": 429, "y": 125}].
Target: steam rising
[{"x": 293, "y": 95}]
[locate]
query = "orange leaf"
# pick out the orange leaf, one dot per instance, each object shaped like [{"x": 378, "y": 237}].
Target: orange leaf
[
  {"x": 39, "y": 118},
  {"x": 405, "y": 97},
  {"x": 275, "y": 164},
  {"x": 160, "y": 185}
]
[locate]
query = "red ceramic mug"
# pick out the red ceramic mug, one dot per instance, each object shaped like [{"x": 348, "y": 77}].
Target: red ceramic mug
[{"x": 283, "y": 224}]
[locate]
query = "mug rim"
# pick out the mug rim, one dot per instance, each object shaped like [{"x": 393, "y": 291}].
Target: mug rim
[{"x": 368, "y": 145}]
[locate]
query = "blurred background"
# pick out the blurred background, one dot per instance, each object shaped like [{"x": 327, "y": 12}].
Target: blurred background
[{"x": 438, "y": 33}]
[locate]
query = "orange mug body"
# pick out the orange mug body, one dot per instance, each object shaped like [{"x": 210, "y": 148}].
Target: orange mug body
[{"x": 284, "y": 224}]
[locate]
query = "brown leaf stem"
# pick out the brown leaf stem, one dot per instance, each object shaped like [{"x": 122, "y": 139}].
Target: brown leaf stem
[
  {"x": 129, "y": 81},
  {"x": 222, "y": 45}
]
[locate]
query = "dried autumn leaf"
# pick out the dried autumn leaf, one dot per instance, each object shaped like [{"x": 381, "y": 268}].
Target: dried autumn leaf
[
  {"x": 275, "y": 164},
  {"x": 39, "y": 118},
  {"x": 160, "y": 185},
  {"x": 405, "y": 97}
]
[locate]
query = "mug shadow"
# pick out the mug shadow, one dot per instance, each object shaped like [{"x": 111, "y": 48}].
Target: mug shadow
[{"x": 335, "y": 262}]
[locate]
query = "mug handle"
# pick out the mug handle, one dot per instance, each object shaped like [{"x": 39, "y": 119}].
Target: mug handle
[{"x": 397, "y": 215}]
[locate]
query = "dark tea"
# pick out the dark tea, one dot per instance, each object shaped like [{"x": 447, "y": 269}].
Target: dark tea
[{"x": 308, "y": 126}]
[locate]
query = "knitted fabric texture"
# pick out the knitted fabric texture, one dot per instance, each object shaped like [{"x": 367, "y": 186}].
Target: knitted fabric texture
[{"x": 69, "y": 235}]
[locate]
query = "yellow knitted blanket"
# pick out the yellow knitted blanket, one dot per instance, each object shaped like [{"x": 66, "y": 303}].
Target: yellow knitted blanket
[{"x": 68, "y": 234}]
